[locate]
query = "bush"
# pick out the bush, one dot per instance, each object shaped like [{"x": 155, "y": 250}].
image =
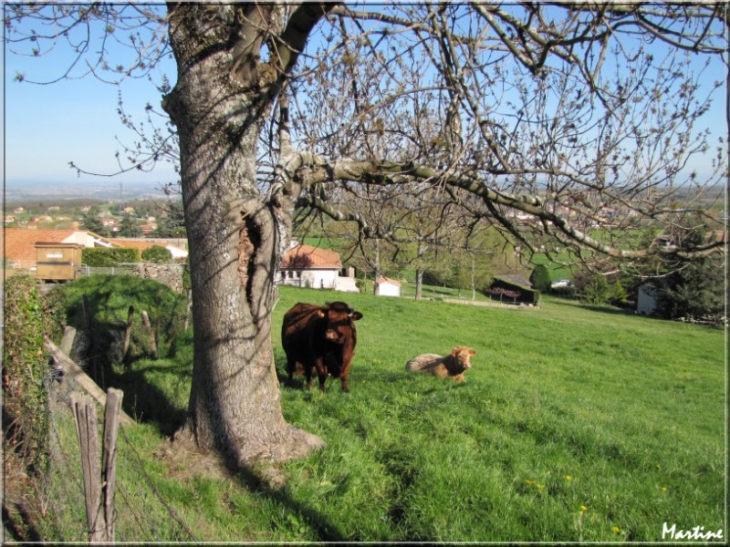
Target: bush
[
  {"x": 25, "y": 369},
  {"x": 105, "y": 300},
  {"x": 592, "y": 287},
  {"x": 157, "y": 255},
  {"x": 540, "y": 279},
  {"x": 99, "y": 257}
]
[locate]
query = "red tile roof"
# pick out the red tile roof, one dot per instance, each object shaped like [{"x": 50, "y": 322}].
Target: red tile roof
[{"x": 306, "y": 257}]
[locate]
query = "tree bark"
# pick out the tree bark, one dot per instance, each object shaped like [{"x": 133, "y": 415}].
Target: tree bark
[{"x": 236, "y": 238}]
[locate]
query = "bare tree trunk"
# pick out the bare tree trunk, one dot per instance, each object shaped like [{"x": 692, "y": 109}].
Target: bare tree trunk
[
  {"x": 378, "y": 270},
  {"x": 419, "y": 283},
  {"x": 236, "y": 238},
  {"x": 419, "y": 270}
]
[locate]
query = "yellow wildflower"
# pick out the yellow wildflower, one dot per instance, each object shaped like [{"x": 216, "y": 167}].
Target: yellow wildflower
[
  {"x": 616, "y": 529},
  {"x": 529, "y": 482},
  {"x": 568, "y": 478},
  {"x": 583, "y": 508}
]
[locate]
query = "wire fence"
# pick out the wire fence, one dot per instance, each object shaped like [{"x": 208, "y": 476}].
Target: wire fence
[{"x": 142, "y": 514}]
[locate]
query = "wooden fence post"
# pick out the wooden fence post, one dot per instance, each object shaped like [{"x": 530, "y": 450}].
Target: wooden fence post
[
  {"x": 150, "y": 334},
  {"x": 67, "y": 342},
  {"x": 98, "y": 484},
  {"x": 109, "y": 471},
  {"x": 127, "y": 336},
  {"x": 84, "y": 411}
]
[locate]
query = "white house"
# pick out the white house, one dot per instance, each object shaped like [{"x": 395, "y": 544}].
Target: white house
[
  {"x": 387, "y": 287},
  {"x": 307, "y": 266}
]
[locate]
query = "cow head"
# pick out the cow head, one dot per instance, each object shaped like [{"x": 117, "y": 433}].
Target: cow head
[
  {"x": 339, "y": 317},
  {"x": 462, "y": 355}
]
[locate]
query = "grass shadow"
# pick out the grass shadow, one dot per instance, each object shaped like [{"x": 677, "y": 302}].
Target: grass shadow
[
  {"x": 267, "y": 480},
  {"x": 146, "y": 402}
]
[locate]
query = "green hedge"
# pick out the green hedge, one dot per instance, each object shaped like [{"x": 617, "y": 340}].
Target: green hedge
[
  {"x": 99, "y": 257},
  {"x": 28, "y": 318},
  {"x": 157, "y": 255}
]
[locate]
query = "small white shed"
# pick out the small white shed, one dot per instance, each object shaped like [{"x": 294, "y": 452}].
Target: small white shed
[{"x": 387, "y": 287}]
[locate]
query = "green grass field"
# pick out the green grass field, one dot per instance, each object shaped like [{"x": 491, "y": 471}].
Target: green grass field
[{"x": 574, "y": 424}]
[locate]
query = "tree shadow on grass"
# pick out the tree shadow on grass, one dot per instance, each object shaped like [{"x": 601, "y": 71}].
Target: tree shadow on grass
[
  {"x": 270, "y": 482},
  {"x": 146, "y": 402}
]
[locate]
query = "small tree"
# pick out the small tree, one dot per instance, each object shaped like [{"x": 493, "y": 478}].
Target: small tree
[
  {"x": 157, "y": 255},
  {"x": 129, "y": 228},
  {"x": 592, "y": 287},
  {"x": 540, "y": 279},
  {"x": 171, "y": 221},
  {"x": 90, "y": 221},
  {"x": 695, "y": 292}
]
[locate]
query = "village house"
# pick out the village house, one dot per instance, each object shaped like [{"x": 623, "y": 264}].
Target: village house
[{"x": 311, "y": 267}]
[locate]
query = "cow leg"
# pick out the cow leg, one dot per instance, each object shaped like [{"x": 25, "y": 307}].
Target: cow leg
[
  {"x": 308, "y": 375},
  {"x": 322, "y": 378},
  {"x": 343, "y": 377},
  {"x": 290, "y": 372}
]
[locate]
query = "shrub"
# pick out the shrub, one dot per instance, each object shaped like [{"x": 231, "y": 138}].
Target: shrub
[
  {"x": 104, "y": 301},
  {"x": 157, "y": 255},
  {"x": 592, "y": 287},
  {"x": 99, "y": 257},
  {"x": 25, "y": 369},
  {"x": 540, "y": 279}
]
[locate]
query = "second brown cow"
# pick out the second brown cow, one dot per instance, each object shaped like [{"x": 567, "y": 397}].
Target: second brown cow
[{"x": 321, "y": 340}]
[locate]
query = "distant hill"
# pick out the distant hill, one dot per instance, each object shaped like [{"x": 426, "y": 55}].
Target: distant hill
[{"x": 104, "y": 190}]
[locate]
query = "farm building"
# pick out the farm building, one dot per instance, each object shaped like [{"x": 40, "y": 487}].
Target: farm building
[
  {"x": 513, "y": 289},
  {"x": 307, "y": 266},
  {"x": 387, "y": 287}
]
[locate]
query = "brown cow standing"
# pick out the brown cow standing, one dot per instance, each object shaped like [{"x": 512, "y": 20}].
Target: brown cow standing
[{"x": 321, "y": 339}]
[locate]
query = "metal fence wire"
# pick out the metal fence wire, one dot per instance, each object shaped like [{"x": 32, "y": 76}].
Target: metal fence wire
[{"x": 141, "y": 513}]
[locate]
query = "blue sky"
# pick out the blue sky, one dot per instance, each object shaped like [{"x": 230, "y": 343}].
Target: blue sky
[{"x": 48, "y": 126}]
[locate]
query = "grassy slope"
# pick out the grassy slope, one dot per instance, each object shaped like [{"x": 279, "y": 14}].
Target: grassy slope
[
  {"x": 630, "y": 409},
  {"x": 573, "y": 424}
]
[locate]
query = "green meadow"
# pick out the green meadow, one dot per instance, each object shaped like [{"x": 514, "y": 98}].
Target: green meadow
[{"x": 574, "y": 424}]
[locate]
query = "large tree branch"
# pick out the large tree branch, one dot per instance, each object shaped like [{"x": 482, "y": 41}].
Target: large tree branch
[{"x": 387, "y": 174}]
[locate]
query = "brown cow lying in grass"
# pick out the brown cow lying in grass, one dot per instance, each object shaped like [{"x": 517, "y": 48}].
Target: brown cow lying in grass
[{"x": 452, "y": 365}]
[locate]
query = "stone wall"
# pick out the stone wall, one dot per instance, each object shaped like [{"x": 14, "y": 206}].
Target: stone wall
[{"x": 168, "y": 274}]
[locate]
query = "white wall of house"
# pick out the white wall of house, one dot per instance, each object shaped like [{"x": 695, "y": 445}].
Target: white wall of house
[
  {"x": 82, "y": 238},
  {"x": 386, "y": 288},
  {"x": 314, "y": 278}
]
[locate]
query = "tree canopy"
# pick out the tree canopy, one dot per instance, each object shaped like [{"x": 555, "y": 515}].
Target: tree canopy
[{"x": 577, "y": 115}]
